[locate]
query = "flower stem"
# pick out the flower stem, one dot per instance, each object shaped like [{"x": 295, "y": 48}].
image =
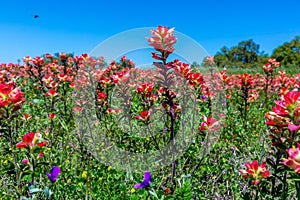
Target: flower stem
[{"x": 297, "y": 185}]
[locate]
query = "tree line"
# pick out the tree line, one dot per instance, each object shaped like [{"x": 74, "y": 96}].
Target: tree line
[{"x": 247, "y": 54}]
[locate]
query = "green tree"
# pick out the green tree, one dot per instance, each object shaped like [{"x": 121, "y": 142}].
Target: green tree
[
  {"x": 246, "y": 53},
  {"x": 288, "y": 54}
]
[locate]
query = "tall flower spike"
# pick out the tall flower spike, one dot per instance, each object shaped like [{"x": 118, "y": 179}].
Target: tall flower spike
[{"x": 163, "y": 41}]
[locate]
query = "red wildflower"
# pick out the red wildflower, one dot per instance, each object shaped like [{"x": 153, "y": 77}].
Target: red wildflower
[
  {"x": 26, "y": 116},
  {"x": 209, "y": 124},
  {"x": 246, "y": 80},
  {"x": 102, "y": 96},
  {"x": 51, "y": 116},
  {"x": 163, "y": 41},
  {"x": 30, "y": 139},
  {"x": 144, "y": 115},
  {"x": 63, "y": 56},
  {"x": 255, "y": 171},
  {"x": 267, "y": 68},
  {"x": 274, "y": 62},
  {"x": 9, "y": 94},
  {"x": 293, "y": 161},
  {"x": 51, "y": 93}
]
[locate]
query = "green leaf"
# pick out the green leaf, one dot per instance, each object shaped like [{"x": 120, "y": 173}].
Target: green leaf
[
  {"x": 25, "y": 198},
  {"x": 47, "y": 192},
  {"x": 33, "y": 190}
]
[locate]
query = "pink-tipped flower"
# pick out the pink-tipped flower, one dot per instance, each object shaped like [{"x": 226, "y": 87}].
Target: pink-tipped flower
[
  {"x": 51, "y": 116},
  {"x": 286, "y": 112},
  {"x": 255, "y": 171},
  {"x": 293, "y": 161},
  {"x": 145, "y": 88},
  {"x": 25, "y": 161},
  {"x": 267, "y": 68},
  {"x": 27, "y": 59},
  {"x": 102, "y": 96},
  {"x": 209, "y": 124},
  {"x": 10, "y": 95},
  {"x": 62, "y": 77},
  {"x": 26, "y": 116},
  {"x": 51, "y": 93},
  {"x": 41, "y": 155},
  {"x": 274, "y": 62},
  {"x": 114, "y": 110},
  {"x": 210, "y": 60},
  {"x": 144, "y": 115},
  {"x": 246, "y": 80},
  {"x": 30, "y": 139},
  {"x": 163, "y": 41},
  {"x": 293, "y": 127},
  {"x": 63, "y": 56}
]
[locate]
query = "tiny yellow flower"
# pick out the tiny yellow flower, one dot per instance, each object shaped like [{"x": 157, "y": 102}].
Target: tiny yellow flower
[
  {"x": 109, "y": 168},
  {"x": 132, "y": 190},
  {"x": 99, "y": 168},
  {"x": 100, "y": 179},
  {"x": 224, "y": 159},
  {"x": 67, "y": 147},
  {"x": 148, "y": 139},
  {"x": 84, "y": 174}
]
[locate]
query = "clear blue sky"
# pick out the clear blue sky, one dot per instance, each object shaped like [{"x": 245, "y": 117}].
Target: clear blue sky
[{"x": 79, "y": 26}]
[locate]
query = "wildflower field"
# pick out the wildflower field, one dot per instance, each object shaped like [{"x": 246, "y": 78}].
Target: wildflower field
[{"x": 76, "y": 127}]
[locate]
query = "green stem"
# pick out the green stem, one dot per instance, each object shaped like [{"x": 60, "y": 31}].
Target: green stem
[
  {"x": 297, "y": 185},
  {"x": 11, "y": 141}
]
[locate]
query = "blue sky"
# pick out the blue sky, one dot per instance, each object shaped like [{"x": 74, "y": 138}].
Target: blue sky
[{"x": 79, "y": 26}]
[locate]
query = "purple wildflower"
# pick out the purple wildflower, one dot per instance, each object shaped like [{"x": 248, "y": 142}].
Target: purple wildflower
[
  {"x": 224, "y": 103},
  {"x": 204, "y": 97},
  {"x": 146, "y": 182},
  {"x": 165, "y": 129},
  {"x": 55, "y": 171},
  {"x": 172, "y": 113}
]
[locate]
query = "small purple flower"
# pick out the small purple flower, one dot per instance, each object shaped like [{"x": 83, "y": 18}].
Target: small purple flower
[
  {"x": 165, "y": 129},
  {"x": 204, "y": 97},
  {"x": 146, "y": 182},
  {"x": 224, "y": 103},
  {"x": 172, "y": 113},
  {"x": 55, "y": 171}
]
